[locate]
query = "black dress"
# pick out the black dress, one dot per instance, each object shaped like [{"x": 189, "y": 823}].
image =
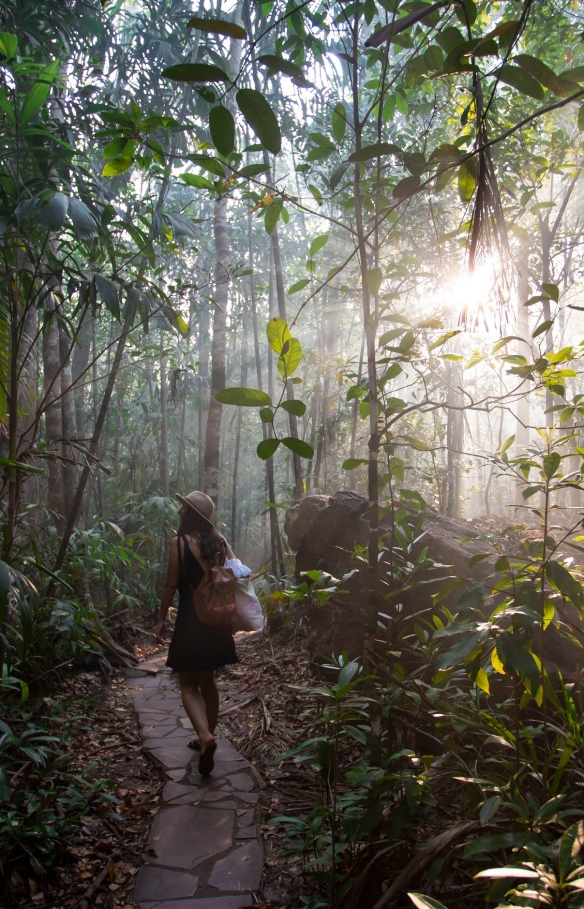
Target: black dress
[{"x": 196, "y": 646}]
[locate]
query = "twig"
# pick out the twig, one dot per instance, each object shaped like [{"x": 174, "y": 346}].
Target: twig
[{"x": 82, "y": 903}]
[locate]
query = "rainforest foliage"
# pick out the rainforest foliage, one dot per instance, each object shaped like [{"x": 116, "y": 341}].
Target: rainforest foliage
[{"x": 273, "y": 249}]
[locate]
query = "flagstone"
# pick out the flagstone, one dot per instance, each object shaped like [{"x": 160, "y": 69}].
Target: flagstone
[
  {"x": 163, "y": 884},
  {"x": 184, "y": 836},
  {"x": 241, "y": 869}
]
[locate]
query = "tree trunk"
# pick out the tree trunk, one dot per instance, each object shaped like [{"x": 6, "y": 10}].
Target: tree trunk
[
  {"x": 69, "y": 416},
  {"x": 213, "y": 434},
  {"x": 80, "y": 361},
  {"x": 243, "y": 383},
  {"x": 53, "y": 417},
  {"x": 164, "y": 464}
]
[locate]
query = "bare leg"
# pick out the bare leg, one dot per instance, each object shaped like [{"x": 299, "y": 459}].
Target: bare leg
[
  {"x": 195, "y": 706},
  {"x": 210, "y": 693}
]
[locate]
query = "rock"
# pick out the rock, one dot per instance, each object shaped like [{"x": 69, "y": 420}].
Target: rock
[{"x": 324, "y": 531}]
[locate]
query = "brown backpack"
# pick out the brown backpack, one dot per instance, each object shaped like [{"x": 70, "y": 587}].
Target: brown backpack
[{"x": 214, "y": 598}]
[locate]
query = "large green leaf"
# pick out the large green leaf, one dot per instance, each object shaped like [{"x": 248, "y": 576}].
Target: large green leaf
[
  {"x": 267, "y": 447},
  {"x": 373, "y": 278},
  {"x": 195, "y": 72},
  {"x": 352, "y": 463},
  {"x": 39, "y": 93},
  {"x": 514, "y": 655},
  {"x": 299, "y": 447},
  {"x": 421, "y": 901},
  {"x": 222, "y": 126},
  {"x": 375, "y": 151},
  {"x": 297, "y": 408},
  {"x": 467, "y": 181},
  {"x": 254, "y": 170},
  {"x": 278, "y": 333},
  {"x": 290, "y": 357},
  {"x": 459, "y": 651},
  {"x": 53, "y": 215},
  {"x": 218, "y": 27},
  {"x": 8, "y": 45},
  {"x": 317, "y": 244},
  {"x": 243, "y": 397},
  {"x": 551, "y": 463},
  {"x": 197, "y": 181},
  {"x": 521, "y": 80},
  {"x": 339, "y": 122},
  {"x": 406, "y": 187},
  {"x": 272, "y": 215},
  {"x": 546, "y": 76},
  {"x": 260, "y": 116},
  {"x": 286, "y": 67},
  {"x": 568, "y": 586},
  {"x": 116, "y": 166}
]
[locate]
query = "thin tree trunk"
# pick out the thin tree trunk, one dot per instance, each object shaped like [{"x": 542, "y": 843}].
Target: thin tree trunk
[
  {"x": 69, "y": 422},
  {"x": 53, "y": 416},
  {"x": 243, "y": 383},
  {"x": 164, "y": 464}
]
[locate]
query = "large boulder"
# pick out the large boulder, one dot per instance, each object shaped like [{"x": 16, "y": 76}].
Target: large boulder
[{"x": 324, "y": 531}]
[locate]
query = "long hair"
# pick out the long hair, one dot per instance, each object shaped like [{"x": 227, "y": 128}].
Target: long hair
[{"x": 209, "y": 540}]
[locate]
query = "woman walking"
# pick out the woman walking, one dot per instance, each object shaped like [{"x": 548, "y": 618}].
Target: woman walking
[{"x": 196, "y": 650}]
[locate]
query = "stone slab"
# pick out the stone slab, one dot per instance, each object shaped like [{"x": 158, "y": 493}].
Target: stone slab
[
  {"x": 172, "y": 757},
  {"x": 136, "y": 673},
  {"x": 250, "y": 797},
  {"x": 247, "y": 833},
  {"x": 184, "y": 836},
  {"x": 176, "y": 775},
  {"x": 213, "y": 902},
  {"x": 163, "y": 884},
  {"x": 173, "y": 791},
  {"x": 240, "y": 870},
  {"x": 245, "y": 818},
  {"x": 241, "y": 781},
  {"x": 143, "y": 681}
]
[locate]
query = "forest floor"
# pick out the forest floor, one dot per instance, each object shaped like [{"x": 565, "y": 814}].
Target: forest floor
[{"x": 262, "y": 700}]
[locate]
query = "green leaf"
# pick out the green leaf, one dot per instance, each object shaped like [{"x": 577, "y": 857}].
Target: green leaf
[
  {"x": 568, "y": 586},
  {"x": 543, "y": 327},
  {"x": 406, "y": 187},
  {"x": 278, "y": 333},
  {"x": 425, "y": 902},
  {"x": 195, "y": 72},
  {"x": 540, "y": 71},
  {"x": 266, "y": 448},
  {"x": 222, "y": 126},
  {"x": 444, "y": 338},
  {"x": 338, "y": 174},
  {"x": 254, "y": 170},
  {"x": 260, "y": 116},
  {"x": 213, "y": 165},
  {"x": 8, "y": 45},
  {"x": 299, "y": 447},
  {"x": 347, "y": 673},
  {"x": 495, "y": 842},
  {"x": 317, "y": 244},
  {"x": 521, "y": 80},
  {"x": 53, "y": 215},
  {"x": 457, "y": 653},
  {"x": 551, "y": 463},
  {"x": 581, "y": 119},
  {"x": 39, "y": 93},
  {"x": 20, "y": 466},
  {"x": 570, "y": 847},
  {"x": 217, "y": 27},
  {"x": 466, "y": 181},
  {"x": 243, "y": 397},
  {"x": 339, "y": 122},
  {"x": 116, "y": 166},
  {"x": 300, "y": 285},
  {"x": 506, "y": 445},
  {"x": 316, "y": 193},
  {"x": 374, "y": 151},
  {"x": 374, "y": 277},
  {"x": 352, "y": 463},
  {"x": 290, "y": 357},
  {"x": 266, "y": 415},
  {"x": 552, "y": 290},
  {"x": 297, "y": 408},
  {"x": 514, "y": 655},
  {"x": 272, "y": 216},
  {"x": 286, "y": 67},
  {"x": 197, "y": 181}
]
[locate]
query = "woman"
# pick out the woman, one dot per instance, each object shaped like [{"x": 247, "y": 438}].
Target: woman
[{"x": 196, "y": 650}]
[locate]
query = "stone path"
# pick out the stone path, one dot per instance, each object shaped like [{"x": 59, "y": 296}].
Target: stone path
[{"x": 204, "y": 851}]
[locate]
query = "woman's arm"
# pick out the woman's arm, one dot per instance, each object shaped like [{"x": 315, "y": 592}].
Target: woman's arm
[{"x": 170, "y": 585}]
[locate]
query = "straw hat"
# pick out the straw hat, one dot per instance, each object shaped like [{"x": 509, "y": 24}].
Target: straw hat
[{"x": 200, "y": 503}]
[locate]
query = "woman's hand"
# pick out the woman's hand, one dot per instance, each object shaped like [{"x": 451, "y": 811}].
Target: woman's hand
[{"x": 160, "y": 631}]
